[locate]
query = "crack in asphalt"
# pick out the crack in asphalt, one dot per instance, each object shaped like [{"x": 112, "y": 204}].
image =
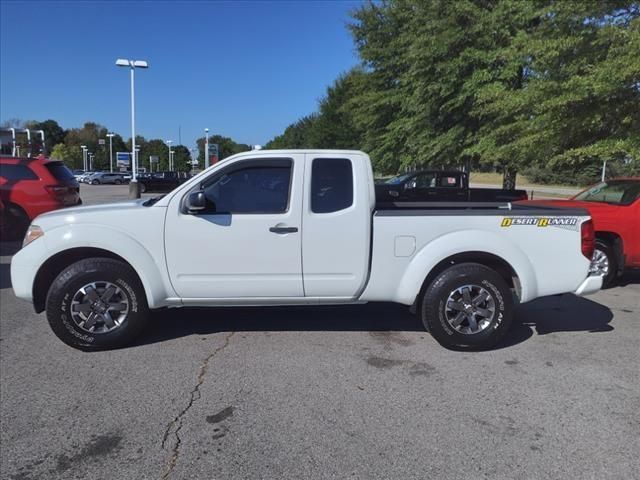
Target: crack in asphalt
[{"x": 193, "y": 397}]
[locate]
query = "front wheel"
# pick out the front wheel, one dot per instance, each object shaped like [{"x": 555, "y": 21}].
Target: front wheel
[
  {"x": 95, "y": 182},
  {"x": 97, "y": 303},
  {"x": 468, "y": 306},
  {"x": 142, "y": 187},
  {"x": 118, "y": 182}
]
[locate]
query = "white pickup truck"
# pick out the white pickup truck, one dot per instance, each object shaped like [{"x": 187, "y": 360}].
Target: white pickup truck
[{"x": 295, "y": 227}]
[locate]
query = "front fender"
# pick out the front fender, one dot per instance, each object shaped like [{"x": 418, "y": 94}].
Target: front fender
[
  {"x": 465, "y": 241},
  {"x": 148, "y": 264}
]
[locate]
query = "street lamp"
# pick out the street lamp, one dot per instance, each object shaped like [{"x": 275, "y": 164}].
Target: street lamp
[
  {"x": 206, "y": 148},
  {"x": 84, "y": 157},
  {"x": 90, "y": 161},
  {"x": 168, "y": 142},
  {"x": 110, "y": 135},
  {"x": 134, "y": 191}
]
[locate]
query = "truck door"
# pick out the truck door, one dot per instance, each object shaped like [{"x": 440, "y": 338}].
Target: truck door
[
  {"x": 247, "y": 242},
  {"x": 336, "y": 225}
]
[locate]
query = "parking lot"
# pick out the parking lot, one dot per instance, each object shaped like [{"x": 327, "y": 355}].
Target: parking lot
[{"x": 331, "y": 392}]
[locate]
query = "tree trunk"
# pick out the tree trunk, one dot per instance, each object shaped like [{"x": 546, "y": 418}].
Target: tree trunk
[{"x": 509, "y": 178}]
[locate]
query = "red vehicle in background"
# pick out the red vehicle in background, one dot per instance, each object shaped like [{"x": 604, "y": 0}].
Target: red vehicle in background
[
  {"x": 29, "y": 187},
  {"x": 614, "y": 206}
]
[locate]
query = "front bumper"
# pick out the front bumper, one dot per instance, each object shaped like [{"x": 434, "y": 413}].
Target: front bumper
[
  {"x": 590, "y": 285},
  {"x": 24, "y": 267}
]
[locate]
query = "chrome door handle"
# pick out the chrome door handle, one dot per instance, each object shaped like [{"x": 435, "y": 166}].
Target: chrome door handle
[{"x": 283, "y": 230}]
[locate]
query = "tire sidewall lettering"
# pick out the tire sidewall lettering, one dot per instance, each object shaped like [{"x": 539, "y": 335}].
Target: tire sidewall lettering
[{"x": 131, "y": 293}]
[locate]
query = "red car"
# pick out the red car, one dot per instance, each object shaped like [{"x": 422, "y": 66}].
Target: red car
[
  {"x": 31, "y": 186},
  {"x": 614, "y": 206}
]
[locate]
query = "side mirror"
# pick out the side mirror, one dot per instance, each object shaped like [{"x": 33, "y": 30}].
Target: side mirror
[{"x": 196, "y": 202}]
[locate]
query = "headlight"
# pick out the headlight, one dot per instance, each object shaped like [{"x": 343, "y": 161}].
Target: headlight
[{"x": 33, "y": 232}]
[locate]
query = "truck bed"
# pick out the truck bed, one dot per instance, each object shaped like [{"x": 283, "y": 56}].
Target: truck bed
[{"x": 471, "y": 208}]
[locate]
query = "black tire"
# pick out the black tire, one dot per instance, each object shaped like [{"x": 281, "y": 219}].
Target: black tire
[
  {"x": 118, "y": 182},
  {"x": 436, "y": 315},
  {"x": 14, "y": 223},
  {"x": 604, "y": 248},
  {"x": 95, "y": 182},
  {"x": 100, "y": 270},
  {"x": 143, "y": 187}
]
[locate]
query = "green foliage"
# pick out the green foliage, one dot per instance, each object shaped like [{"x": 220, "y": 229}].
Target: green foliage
[
  {"x": 333, "y": 126},
  {"x": 502, "y": 84},
  {"x": 181, "y": 158},
  {"x": 53, "y": 133}
]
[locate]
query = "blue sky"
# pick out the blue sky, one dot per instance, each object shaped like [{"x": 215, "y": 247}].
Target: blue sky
[{"x": 242, "y": 69}]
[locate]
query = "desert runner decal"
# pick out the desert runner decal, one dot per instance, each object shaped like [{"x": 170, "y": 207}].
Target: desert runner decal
[{"x": 539, "y": 221}]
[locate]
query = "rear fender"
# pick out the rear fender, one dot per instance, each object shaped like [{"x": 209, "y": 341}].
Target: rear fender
[{"x": 460, "y": 242}]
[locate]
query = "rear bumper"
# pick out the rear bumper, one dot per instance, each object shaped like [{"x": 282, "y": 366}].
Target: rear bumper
[{"x": 590, "y": 285}]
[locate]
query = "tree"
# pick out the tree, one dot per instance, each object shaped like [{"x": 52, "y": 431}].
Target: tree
[
  {"x": 508, "y": 83},
  {"x": 89, "y": 135},
  {"x": 71, "y": 155},
  {"x": 296, "y": 135},
  {"x": 573, "y": 95},
  {"x": 182, "y": 158},
  {"x": 226, "y": 147},
  {"x": 54, "y": 134}
]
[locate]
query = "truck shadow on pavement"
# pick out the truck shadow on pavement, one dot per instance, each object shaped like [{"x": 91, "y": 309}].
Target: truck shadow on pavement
[{"x": 563, "y": 313}]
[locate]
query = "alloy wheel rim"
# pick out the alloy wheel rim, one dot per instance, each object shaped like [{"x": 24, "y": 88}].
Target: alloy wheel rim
[
  {"x": 599, "y": 263},
  {"x": 99, "y": 307},
  {"x": 470, "y": 309}
]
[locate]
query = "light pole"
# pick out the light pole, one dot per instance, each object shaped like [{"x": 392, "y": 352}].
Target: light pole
[
  {"x": 84, "y": 157},
  {"x": 206, "y": 148},
  {"x": 168, "y": 142},
  {"x": 134, "y": 190},
  {"x": 110, "y": 135},
  {"x": 90, "y": 161}
]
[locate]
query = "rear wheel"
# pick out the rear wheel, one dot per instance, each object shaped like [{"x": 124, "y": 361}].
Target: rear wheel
[
  {"x": 604, "y": 263},
  {"x": 97, "y": 303},
  {"x": 143, "y": 187},
  {"x": 95, "y": 182},
  {"x": 14, "y": 223},
  {"x": 468, "y": 306}
]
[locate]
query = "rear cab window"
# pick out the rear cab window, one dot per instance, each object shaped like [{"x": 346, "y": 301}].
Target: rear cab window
[
  {"x": 450, "y": 181},
  {"x": 331, "y": 185}
]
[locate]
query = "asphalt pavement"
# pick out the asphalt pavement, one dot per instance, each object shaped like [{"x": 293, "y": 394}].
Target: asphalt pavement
[{"x": 340, "y": 392}]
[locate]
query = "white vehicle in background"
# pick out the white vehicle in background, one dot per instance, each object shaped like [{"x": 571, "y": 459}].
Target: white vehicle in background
[
  {"x": 102, "y": 178},
  {"x": 84, "y": 178},
  {"x": 298, "y": 227}
]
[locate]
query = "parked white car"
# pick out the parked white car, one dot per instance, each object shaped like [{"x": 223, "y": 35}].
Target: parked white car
[
  {"x": 101, "y": 178},
  {"x": 297, "y": 227}
]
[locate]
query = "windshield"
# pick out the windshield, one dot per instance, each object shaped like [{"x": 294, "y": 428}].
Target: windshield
[
  {"x": 399, "y": 179},
  {"x": 617, "y": 192}
]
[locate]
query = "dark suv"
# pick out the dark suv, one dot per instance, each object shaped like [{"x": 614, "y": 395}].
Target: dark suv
[{"x": 31, "y": 186}]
